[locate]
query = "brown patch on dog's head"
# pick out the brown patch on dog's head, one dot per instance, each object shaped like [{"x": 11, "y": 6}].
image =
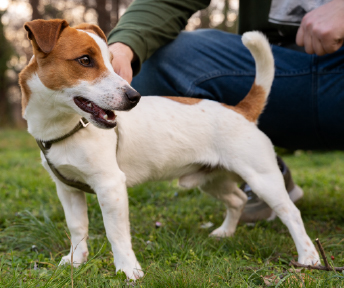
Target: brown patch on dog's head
[
  {"x": 184, "y": 100},
  {"x": 61, "y": 68},
  {"x": 24, "y": 76},
  {"x": 58, "y": 50},
  {"x": 44, "y": 34},
  {"x": 92, "y": 29}
]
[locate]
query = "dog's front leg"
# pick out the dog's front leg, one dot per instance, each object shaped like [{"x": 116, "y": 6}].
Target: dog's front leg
[
  {"x": 113, "y": 200},
  {"x": 75, "y": 208}
]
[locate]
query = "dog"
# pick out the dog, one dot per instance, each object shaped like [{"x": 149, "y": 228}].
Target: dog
[{"x": 204, "y": 143}]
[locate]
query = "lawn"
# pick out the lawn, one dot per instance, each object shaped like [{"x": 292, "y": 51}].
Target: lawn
[{"x": 179, "y": 253}]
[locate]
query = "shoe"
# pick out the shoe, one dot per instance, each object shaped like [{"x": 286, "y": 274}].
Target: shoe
[{"x": 256, "y": 209}]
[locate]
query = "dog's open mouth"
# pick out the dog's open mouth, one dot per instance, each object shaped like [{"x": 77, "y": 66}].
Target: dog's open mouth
[{"x": 103, "y": 117}]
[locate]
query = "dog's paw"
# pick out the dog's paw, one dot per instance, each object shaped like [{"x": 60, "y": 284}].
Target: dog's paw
[
  {"x": 132, "y": 273},
  {"x": 221, "y": 233},
  {"x": 77, "y": 259},
  {"x": 310, "y": 258}
]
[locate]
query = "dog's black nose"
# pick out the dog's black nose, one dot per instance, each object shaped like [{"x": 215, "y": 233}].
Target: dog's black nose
[{"x": 132, "y": 94}]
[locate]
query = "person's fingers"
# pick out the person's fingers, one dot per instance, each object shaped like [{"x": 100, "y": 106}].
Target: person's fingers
[
  {"x": 339, "y": 43},
  {"x": 308, "y": 43},
  {"x": 332, "y": 45},
  {"x": 126, "y": 74},
  {"x": 318, "y": 46},
  {"x": 122, "y": 56},
  {"x": 299, "y": 36},
  {"x": 321, "y": 30},
  {"x": 122, "y": 67}
]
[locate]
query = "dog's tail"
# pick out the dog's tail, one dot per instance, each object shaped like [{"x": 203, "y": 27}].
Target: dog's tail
[{"x": 254, "y": 102}]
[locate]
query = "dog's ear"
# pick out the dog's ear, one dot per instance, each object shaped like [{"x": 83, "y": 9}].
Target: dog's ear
[
  {"x": 92, "y": 28},
  {"x": 44, "y": 33}
]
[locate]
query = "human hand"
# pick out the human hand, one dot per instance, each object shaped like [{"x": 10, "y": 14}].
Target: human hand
[
  {"x": 121, "y": 61},
  {"x": 322, "y": 30}
]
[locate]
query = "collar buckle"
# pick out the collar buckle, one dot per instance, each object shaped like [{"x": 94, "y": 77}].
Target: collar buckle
[{"x": 82, "y": 121}]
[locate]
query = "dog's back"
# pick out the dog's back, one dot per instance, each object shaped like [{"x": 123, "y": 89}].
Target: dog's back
[{"x": 169, "y": 142}]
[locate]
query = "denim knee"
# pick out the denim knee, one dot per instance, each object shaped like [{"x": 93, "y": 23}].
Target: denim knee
[{"x": 176, "y": 67}]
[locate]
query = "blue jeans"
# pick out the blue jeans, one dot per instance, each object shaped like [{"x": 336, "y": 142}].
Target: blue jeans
[{"x": 305, "y": 108}]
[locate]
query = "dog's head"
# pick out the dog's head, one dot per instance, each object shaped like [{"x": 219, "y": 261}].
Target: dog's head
[{"x": 74, "y": 66}]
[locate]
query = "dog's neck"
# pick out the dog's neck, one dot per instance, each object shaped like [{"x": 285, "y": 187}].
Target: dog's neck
[{"x": 47, "y": 121}]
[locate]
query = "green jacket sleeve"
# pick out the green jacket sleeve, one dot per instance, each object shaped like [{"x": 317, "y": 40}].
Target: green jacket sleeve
[{"x": 150, "y": 24}]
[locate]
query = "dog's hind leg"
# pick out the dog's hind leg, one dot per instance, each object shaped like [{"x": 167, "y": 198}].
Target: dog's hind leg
[
  {"x": 266, "y": 180},
  {"x": 224, "y": 188},
  {"x": 75, "y": 208},
  {"x": 270, "y": 187}
]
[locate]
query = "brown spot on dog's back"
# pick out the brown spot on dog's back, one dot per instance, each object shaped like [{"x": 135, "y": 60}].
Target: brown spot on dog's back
[
  {"x": 252, "y": 105},
  {"x": 184, "y": 100}
]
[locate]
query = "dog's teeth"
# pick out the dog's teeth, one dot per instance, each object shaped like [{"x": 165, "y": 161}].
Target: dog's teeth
[
  {"x": 89, "y": 104},
  {"x": 105, "y": 117}
]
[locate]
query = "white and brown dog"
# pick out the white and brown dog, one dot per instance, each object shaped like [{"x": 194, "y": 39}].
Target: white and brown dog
[{"x": 201, "y": 142}]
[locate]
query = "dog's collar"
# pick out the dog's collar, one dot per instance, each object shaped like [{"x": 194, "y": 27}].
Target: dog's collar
[
  {"x": 83, "y": 123},
  {"x": 46, "y": 145}
]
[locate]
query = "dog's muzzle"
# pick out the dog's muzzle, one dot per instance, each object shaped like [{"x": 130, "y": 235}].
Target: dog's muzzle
[{"x": 133, "y": 96}]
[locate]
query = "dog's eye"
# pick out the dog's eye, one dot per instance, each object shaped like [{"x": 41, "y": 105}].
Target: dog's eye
[{"x": 85, "y": 61}]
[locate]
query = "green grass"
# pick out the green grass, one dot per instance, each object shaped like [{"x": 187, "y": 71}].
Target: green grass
[{"x": 180, "y": 253}]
